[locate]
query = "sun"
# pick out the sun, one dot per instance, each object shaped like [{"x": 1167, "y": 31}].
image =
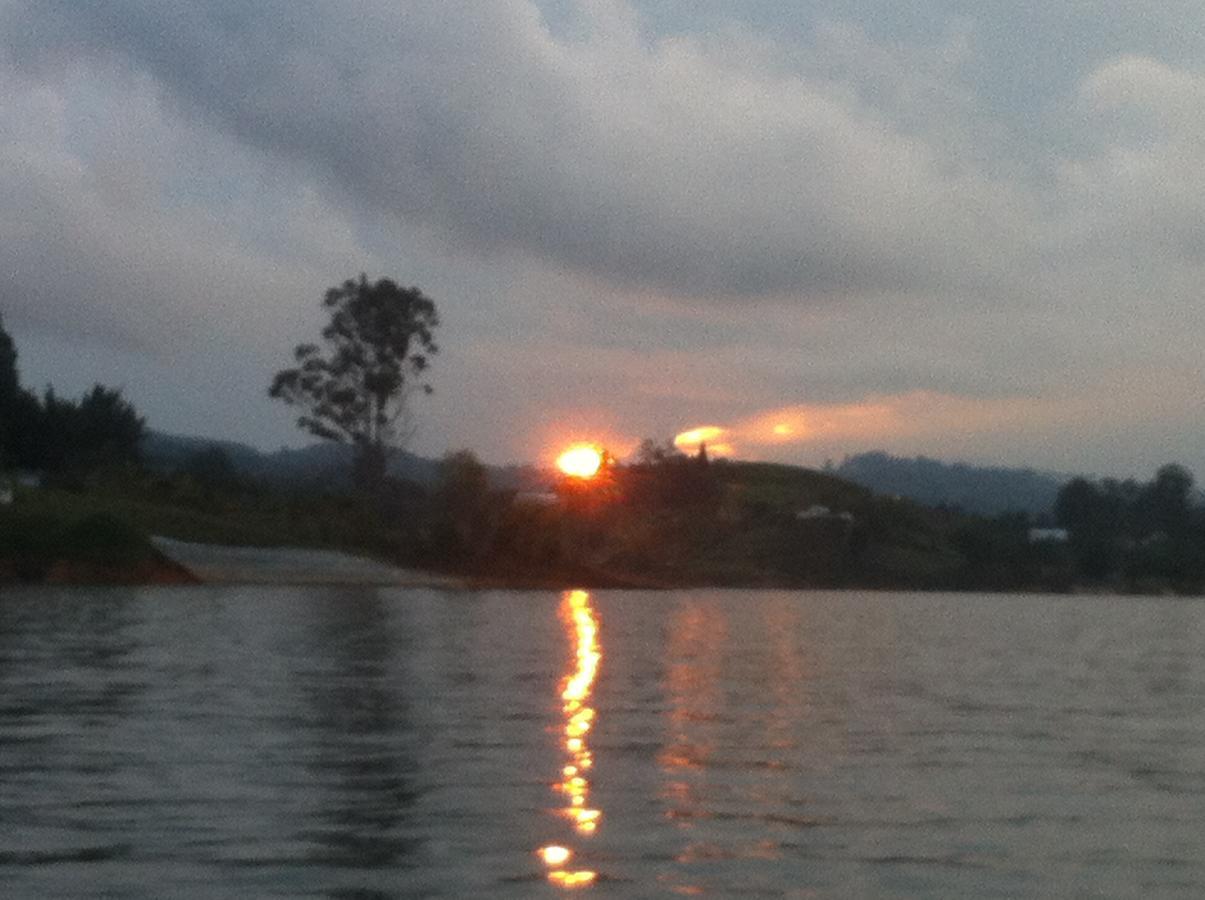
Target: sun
[{"x": 580, "y": 461}]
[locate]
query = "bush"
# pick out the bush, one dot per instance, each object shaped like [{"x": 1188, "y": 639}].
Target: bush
[
  {"x": 30, "y": 542},
  {"x": 104, "y": 540}
]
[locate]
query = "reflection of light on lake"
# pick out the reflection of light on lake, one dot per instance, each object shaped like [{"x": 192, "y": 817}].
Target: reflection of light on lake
[
  {"x": 582, "y": 626},
  {"x": 694, "y": 660},
  {"x": 554, "y": 855},
  {"x": 726, "y": 750},
  {"x": 694, "y": 671}
]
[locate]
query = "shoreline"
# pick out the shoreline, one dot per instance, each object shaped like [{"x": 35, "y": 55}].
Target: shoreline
[
  {"x": 241, "y": 565},
  {"x": 174, "y": 562}
]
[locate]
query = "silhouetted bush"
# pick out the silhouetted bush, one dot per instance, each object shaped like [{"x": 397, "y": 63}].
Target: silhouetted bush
[
  {"x": 105, "y": 540},
  {"x": 1141, "y": 536},
  {"x": 29, "y": 542}
]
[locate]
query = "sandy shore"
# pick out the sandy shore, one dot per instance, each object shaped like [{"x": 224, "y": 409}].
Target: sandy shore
[{"x": 217, "y": 564}]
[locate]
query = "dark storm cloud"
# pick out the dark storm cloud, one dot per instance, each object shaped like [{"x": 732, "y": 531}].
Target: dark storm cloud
[{"x": 658, "y": 163}]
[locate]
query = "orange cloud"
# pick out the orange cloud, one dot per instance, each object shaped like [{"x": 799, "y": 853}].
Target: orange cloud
[
  {"x": 791, "y": 425},
  {"x": 916, "y": 414}
]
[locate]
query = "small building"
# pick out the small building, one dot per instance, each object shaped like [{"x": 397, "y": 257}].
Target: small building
[
  {"x": 21, "y": 478},
  {"x": 817, "y": 511},
  {"x": 537, "y": 498},
  {"x": 1049, "y": 535},
  {"x": 27, "y": 478}
]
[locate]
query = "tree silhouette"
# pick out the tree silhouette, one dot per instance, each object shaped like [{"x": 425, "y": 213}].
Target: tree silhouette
[
  {"x": 9, "y": 382},
  {"x": 54, "y": 434},
  {"x": 10, "y": 391},
  {"x": 355, "y": 389},
  {"x": 1166, "y": 503}
]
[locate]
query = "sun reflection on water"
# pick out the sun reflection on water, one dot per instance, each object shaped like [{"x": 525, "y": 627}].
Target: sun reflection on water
[{"x": 582, "y": 626}]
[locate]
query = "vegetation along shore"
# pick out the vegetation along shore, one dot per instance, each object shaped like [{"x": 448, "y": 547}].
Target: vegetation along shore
[{"x": 85, "y": 485}]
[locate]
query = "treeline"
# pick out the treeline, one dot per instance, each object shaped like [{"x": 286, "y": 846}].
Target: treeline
[
  {"x": 635, "y": 523},
  {"x": 662, "y": 519},
  {"x": 66, "y": 443},
  {"x": 58, "y": 436},
  {"x": 1143, "y": 536},
  {"x": 671, "y": 519},
  {"x": 286, "y": 465}
]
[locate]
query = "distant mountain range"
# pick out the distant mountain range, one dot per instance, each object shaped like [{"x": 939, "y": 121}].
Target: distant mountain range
[
  {"x": 976, "y": 489},
  {"x": 327, "y": 462}
]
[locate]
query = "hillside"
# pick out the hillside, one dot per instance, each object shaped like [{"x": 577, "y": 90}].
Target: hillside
[
  {"x": 328, "y": 462},
  {"x": 676, "y": 522},
  {"x": 983, "y": 490}
]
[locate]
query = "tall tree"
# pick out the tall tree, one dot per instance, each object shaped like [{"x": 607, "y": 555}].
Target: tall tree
[
  {"x": 10, "y": 384},
  {"x": 355, "y": 388},
  {"x": 1166, "y": 503},
  {"x": 107, "y": 429},
  {"x": 462, "y": 497},
  {"x": 10, "y": 390}
]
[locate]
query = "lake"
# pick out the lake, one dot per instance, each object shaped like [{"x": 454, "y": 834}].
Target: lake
[{"x": 379, "y": 742}]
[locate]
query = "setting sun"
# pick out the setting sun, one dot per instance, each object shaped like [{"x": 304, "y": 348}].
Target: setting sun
[{"x": 580, "y": 461}]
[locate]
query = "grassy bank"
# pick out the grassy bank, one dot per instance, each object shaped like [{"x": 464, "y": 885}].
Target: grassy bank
[
  {"x": 678, "y": 523},
  {"x": 100, "y": 531},
  {"x": 40, "y": 543}
]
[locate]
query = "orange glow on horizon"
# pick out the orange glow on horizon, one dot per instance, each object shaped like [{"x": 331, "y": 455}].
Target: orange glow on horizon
[
  {"x": 581, "y": 461},
  {"x": 715, "y": 437},
  {"x": 801, "y": 424}
]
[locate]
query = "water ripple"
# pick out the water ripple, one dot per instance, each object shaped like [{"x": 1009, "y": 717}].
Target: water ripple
[{"x": 364, "y": 744}]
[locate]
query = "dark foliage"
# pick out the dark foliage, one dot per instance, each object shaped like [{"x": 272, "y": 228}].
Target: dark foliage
[
  {"x": 664, "y": 477},
  {"x": 212, "y": 467},
  {"x": 63, "y": 437},
  {"x": 12, "y": 416},
  {"x": 105, "y": 540},
  {"x": 465, "y": 513},
  {"x": 1136, "y": 535},
  {"x": 10, "y": 383},
  {"x": 30, "y": 541},
  {"x": 321, "y": 467},
  {"x": 75, "y": 437}
]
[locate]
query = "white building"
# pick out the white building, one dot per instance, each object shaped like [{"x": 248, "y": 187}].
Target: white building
[{"x": 1049, "y": 536}]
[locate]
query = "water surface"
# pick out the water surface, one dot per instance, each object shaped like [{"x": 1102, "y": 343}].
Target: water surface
[{"x": 370, "y": 743}]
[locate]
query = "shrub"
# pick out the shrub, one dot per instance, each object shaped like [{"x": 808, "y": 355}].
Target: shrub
[
  {"x": 30, "y": 541},
  {"x": 102, "y": 539}
]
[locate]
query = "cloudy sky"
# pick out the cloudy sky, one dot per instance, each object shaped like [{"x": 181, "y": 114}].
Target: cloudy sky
[{"x": 967, "y": 230}]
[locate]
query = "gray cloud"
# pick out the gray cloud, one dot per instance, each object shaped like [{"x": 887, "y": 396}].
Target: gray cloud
[
  {"x": 933, "y": 200},
  {"x": 661, "y": 163}
]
